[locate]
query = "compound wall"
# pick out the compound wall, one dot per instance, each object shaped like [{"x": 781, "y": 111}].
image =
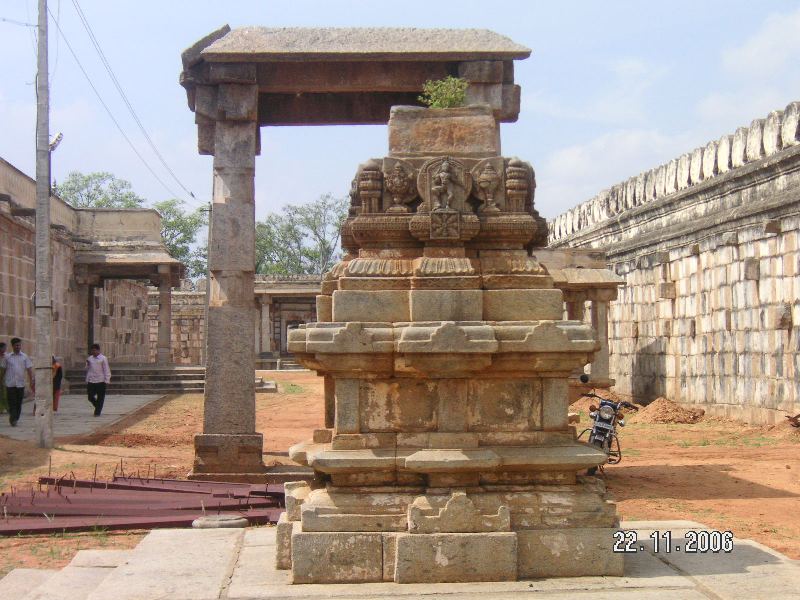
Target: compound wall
[{"x": 709, "y": 246}]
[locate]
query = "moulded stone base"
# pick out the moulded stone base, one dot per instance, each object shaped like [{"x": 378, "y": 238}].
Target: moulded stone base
[
  {"x": 363, "y": 557},
  {"x": 228, "y": 457}
]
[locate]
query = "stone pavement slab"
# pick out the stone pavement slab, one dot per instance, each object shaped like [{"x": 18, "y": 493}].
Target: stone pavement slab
[
  {"x": 75, "y": 583},
  {"x": 179, "y": 564},
  {"x": 19, "y": 582},
  {"x": 100, "y": 558},
  {"x": 75, "y": 416}
]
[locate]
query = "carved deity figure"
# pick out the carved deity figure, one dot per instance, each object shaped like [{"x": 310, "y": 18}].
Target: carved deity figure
[{"x": 443, "y": 188}]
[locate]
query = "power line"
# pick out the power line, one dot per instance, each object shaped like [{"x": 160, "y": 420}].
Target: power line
[
  {"x": 14, "y": 22},
  {"x": 124, "y": 96},
  {"x": 108, "y": 110}
]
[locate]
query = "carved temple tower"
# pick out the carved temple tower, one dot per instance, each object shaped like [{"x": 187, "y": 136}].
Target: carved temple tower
[{"x": 447, "y": 455}]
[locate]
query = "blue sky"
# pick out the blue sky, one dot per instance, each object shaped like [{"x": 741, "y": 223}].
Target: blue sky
[{"x": 612, "y": 88}]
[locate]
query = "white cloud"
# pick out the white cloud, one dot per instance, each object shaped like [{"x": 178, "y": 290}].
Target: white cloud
[
  {"x": 576, "y": 173},
  {"x": 764, "y": 75},
  {"x": 621, "y": 99},
  {"x": 773, "y": 48}
]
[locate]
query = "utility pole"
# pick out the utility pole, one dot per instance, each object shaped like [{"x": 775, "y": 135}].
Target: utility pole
[{"x": 43, "y": 307}]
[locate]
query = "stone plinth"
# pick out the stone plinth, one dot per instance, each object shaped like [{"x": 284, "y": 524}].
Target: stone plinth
[{"x": 450, "y": 457}]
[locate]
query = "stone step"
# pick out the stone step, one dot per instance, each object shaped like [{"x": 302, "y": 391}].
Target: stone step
[
  {"x": 179, "y": 564},
  {"x": 144, "y": 377},
  {"x": 20, "y": 582}
]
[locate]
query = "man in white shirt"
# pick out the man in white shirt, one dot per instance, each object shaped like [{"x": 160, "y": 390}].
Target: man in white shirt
[
  {"x": 98, "y": 375},
  {"x": 17, "y": 364}
]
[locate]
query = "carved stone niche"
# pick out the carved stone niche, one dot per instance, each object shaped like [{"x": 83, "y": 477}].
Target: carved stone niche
[{"x": 444, "y": 183}]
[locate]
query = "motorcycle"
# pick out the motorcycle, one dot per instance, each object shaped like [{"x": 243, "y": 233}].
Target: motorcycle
[{"x": 603, "y": 432}]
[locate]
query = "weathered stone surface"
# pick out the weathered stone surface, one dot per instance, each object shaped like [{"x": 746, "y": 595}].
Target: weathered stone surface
[
  {"x": 183, "y": 564},
  {"x": 469, "y": 131},
  {"x": 568, "y": 553},
  {"x": 446, "y": 305},
  {"x": 283, "y": 541},
  {"x": 522, "y": 305},
  {"x": 450, "y": 557},
  {"x": 790, "y": 127},
  {"x": 361, "y": 43},
  {"x": 337, "y": 557},
  {"x": 388, "y": 306},
  {"x": 459, "y": 515}
]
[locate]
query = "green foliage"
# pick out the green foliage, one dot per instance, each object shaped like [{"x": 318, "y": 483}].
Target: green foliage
[
  {"x": 301, "y": 239},
  {"x": 97, "y": 190},
  {"x": 179, "y": 228},
  {"x": 444, "y": 93}
]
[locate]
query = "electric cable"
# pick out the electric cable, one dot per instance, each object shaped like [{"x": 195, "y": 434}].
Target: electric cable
[
  {"x": 124, "y": 96},
  {"x": 108, "y": 110}
]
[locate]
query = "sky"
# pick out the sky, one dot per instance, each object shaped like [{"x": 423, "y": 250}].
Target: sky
[{"x": 611, "y": 89}]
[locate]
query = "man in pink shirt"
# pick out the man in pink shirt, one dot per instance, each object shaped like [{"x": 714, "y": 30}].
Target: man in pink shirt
[{"x": 98, "y": 375}]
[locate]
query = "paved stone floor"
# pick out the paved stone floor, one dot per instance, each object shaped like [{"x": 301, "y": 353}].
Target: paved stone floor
[
  {"x": 75, "y": 415},
  {"x": 238, "y": 564}
]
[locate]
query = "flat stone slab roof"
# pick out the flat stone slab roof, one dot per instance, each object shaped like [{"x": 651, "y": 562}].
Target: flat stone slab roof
[{"x": 267, "y": 44}]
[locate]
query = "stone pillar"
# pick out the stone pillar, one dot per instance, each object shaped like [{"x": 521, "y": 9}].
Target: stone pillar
[
  {"x": 229, "y": 447},
  {"x": 575, "y": 305},
  {"x": 600, "y": 325},
  {"x": 266, "y": 324},
  {"x": 164, "y": 343}
]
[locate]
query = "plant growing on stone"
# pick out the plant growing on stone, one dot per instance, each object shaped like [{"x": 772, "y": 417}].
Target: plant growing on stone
[{"x": 444, "y": 93}]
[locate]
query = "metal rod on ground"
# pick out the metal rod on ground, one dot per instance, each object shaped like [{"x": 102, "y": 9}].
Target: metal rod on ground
[{"x": 43, "y": 305}]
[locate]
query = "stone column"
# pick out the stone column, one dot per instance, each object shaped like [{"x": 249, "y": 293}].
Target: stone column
[
  {"x": 164, "y": 343},
  {"x": 229, "y": 447},
  {"x": 266, "y": 324},
  {"x": 600, "y": 324}
]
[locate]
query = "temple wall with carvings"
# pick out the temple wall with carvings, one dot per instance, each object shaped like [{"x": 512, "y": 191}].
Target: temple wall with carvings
[{"x": 709, "y": 246}]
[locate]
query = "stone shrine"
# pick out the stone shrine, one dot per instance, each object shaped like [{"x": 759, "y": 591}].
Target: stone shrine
[{"x": 447, "y": 454}]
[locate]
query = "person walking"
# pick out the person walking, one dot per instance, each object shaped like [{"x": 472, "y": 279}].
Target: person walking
[
  {"x": 3, "y": 400},
  {"x": 98, "y": 375},
  {"x": 17, "y": 364},
  {"x": 58, "y": 376}
]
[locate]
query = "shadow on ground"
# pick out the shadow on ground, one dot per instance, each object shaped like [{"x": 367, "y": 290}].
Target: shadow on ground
[{"x": 681, "y": 482}]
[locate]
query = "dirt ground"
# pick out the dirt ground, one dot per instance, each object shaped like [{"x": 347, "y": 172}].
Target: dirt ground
[{"x": 724, "y": 474}]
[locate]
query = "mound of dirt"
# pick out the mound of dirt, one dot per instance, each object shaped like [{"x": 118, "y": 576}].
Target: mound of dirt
[
  {"x": 784, "y": 430},
  {"x": 583, "y": 403},
  {"x": 662, "y": 410}
]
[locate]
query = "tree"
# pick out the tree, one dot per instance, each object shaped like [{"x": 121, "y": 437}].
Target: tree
[
  {"x": 179, "y": 230},
  {"x": 301, "y": 239},
  {"x": 98, "y": 190}
]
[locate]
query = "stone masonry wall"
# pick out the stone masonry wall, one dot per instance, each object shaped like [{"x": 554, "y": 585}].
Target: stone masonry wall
[
  {"x": 121, "y": 326},
  {"x": 709, "y": 246},
  {"x": 115, "y": 302},
  {"x": 188, "y": 326}
]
